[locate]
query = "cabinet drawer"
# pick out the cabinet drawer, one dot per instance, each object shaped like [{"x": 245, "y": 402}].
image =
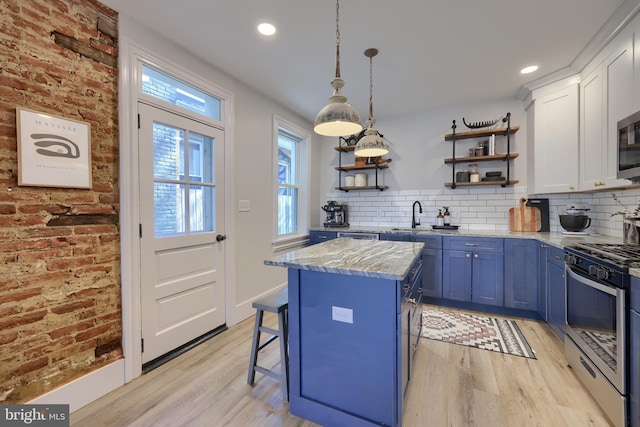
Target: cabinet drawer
[
  {"x": 430, "y": 242},
  {"x": 475, "y": 244},
  {"x": 321, "y": 236},
  {"x": 555, "y": 256}
]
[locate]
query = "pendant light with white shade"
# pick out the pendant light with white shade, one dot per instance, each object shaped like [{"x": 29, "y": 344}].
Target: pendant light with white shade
[
  {"x": 338, "y": 118},
  {"x": 372, "y": 144}
]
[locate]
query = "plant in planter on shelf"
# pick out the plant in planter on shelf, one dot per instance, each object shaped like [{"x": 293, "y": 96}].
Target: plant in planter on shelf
[
  {"x": 630, "y": 232},
  {"x": 626, "y": 212}
]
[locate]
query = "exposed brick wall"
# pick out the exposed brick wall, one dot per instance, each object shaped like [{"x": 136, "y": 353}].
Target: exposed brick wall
[{"x": 60, "y": 308}]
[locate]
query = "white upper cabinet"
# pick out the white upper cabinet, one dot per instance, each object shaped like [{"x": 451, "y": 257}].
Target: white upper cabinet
[
  {"x": 552, "y": 124},
  {"x": 606, "y": 96}
]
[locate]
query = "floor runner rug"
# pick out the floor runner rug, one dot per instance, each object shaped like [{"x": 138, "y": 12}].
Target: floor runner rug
[{"x": 475, "y": 330}]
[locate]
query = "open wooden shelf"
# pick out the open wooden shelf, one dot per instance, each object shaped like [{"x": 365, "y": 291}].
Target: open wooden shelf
[
  {"x": 480, "y": 133},
  {"x": 481, "y": 158},
  {"x": 368, "y": 187},
  {"x": 473, "y": 184},
  {"x": 364, "y": 167}
]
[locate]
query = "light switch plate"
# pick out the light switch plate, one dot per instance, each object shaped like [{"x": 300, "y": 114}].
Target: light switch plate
[
  {"x": 244, "y": 206},
  {"x": 341, "y": 314}
]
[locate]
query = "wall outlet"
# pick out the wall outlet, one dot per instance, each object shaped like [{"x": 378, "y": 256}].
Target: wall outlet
[
  {"x": 341, "y": 314},
  {"x": 244, "y": 206}
]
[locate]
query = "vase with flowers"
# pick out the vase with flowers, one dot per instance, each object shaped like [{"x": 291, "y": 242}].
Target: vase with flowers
[{"x": 631, "y": 221}]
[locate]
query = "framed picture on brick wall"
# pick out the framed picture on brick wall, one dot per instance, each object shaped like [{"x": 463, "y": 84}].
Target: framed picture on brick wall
[{"x": 53, "y": 151}]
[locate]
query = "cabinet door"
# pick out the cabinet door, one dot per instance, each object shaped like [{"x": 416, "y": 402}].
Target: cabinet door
[
  {"x": 432, "y": 273},
  {"x": 557, "y": 306},
  {"x": 456, "y": 275},
  {"x": 592, "y": 147},
  {"x": 634, "y": 387},
  {"x": 542, "y": 280},
  {"x": 397, "y": 237},
  {"x": 321, "y": 236},
  {"x": 487, "y": 285},
  {"x": 521, "y": 274},
  {"x": 618, "y": 72},
  {"x": 555, "y": 142}
]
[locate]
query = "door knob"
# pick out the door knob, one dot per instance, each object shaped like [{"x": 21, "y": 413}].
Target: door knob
[{"x": 220, "y": 237}]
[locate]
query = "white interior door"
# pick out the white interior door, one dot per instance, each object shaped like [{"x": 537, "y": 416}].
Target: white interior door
[{"x": 181, "y": 231}]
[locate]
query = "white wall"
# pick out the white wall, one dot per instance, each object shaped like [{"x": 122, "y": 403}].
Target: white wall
[{"x": 252, "y": 176}]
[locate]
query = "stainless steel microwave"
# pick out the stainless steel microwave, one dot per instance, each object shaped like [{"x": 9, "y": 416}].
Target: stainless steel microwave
[{"x": 629, "y": 148}]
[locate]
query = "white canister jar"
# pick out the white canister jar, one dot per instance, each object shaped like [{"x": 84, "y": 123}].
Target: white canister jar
[
  {"x": 361, "y": 180},
  {"x": 349, "y": 181}
]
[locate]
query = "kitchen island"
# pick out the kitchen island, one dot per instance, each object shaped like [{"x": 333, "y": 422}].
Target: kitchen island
[{"x": 353, "y": 329}]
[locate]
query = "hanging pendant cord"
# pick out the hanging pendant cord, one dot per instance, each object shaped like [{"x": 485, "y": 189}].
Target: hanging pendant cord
[
  {"x": 338, "y": 39},
  {"x": 370, "y": 87}
]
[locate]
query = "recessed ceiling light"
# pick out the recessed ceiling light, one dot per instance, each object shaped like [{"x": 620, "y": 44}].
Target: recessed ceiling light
[
  {"x": 529, "y": 69},
  {"x": 266, "y": 29}
]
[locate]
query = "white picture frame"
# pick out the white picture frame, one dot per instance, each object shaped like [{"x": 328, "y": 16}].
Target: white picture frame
[{"x": 53, "y": 151}]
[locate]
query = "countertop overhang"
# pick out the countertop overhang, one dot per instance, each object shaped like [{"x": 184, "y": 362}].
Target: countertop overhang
[{"x": 382, "y": 259}]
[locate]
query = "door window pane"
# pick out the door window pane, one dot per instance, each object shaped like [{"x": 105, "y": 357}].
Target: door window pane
[
  {"x": 166, "y": 140},
  {"x": 183, "y": 203}
]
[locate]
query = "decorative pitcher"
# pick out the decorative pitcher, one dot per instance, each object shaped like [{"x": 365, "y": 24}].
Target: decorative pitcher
[{"x": 630, "y": 232}]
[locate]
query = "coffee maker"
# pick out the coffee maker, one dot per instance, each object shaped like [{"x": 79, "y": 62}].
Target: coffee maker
[{"x": 336, "y": 214}]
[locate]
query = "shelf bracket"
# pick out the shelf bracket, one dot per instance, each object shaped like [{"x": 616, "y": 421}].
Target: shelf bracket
[
  {"x": 453, "y": 163},
  {"x": 507, "y": 119}
]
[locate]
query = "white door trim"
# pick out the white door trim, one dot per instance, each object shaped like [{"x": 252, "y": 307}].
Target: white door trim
[{"x": 130, "y": 55}]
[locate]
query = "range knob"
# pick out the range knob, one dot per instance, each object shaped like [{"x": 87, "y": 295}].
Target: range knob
[
  {"x": 570, "y": 259},
  {"x": 602, "y": 273}
]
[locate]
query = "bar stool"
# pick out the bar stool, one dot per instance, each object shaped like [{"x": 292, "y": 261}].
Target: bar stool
[{"x": 277, "y": 302}]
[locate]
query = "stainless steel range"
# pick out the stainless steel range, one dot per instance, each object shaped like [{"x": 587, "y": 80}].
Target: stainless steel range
[{"x": 596, "y": 290}]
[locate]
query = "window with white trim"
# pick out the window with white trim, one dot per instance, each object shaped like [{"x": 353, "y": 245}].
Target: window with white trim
[{"x": 291, "y": 182}]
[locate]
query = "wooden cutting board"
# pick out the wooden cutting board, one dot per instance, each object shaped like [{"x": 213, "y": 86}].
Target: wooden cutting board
[{"x": 525, "y": 218}]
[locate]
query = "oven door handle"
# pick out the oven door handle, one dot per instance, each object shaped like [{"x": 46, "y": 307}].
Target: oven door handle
[{"x": 590, "y": 282}]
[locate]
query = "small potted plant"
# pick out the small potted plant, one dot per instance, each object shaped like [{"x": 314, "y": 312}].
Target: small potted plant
[{"x": 630, "y": 232}]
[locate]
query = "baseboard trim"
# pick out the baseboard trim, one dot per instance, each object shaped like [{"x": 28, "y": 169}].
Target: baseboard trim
[
  {"x": 245, "y": 309},
  {"x": 87, "y": 388}
]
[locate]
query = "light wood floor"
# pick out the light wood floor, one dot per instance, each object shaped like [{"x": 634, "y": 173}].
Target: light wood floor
[{"x": 452, "y": 386}]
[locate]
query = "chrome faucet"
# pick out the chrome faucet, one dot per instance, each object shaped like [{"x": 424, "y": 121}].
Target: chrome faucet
[{"x": 413, "y": 214}]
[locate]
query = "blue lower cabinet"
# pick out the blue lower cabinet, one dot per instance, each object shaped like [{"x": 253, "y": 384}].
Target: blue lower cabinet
[
  {"x": 352, "y": 347},
  {"x": 487, "y": 285},
  {"x": 542, "y": 281},
  {"x": 456, "y": 275},
  {"x": 521, "y": 274},
  {"x": 432, "y": 265},
  {"x": 473, "y": 270},
  {"x": 556, "y": 295},
  {"x": 634, "y": 387},
  {"x": 432, "y": 273},
  {"x": 431, "y": 259},
  {"x": 634, "y": 352}
]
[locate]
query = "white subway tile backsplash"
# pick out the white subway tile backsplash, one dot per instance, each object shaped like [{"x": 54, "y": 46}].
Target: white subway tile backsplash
[{"x": 485, "y": 208}]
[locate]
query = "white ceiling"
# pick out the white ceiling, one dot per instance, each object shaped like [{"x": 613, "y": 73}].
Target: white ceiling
[{"x": 432, "y": 53}]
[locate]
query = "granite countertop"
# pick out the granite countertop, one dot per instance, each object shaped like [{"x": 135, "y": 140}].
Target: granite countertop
[
  {"x": 381, "y": 259},
  {"x": 556, "y": 239}
]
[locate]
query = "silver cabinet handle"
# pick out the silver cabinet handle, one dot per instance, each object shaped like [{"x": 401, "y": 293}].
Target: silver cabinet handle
[
  {"x": 543, "y": 245},
  {"x": 468, "y": 255},
  {"x": 475, "y": 255},
  {"x": 471, "y": 244}
]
